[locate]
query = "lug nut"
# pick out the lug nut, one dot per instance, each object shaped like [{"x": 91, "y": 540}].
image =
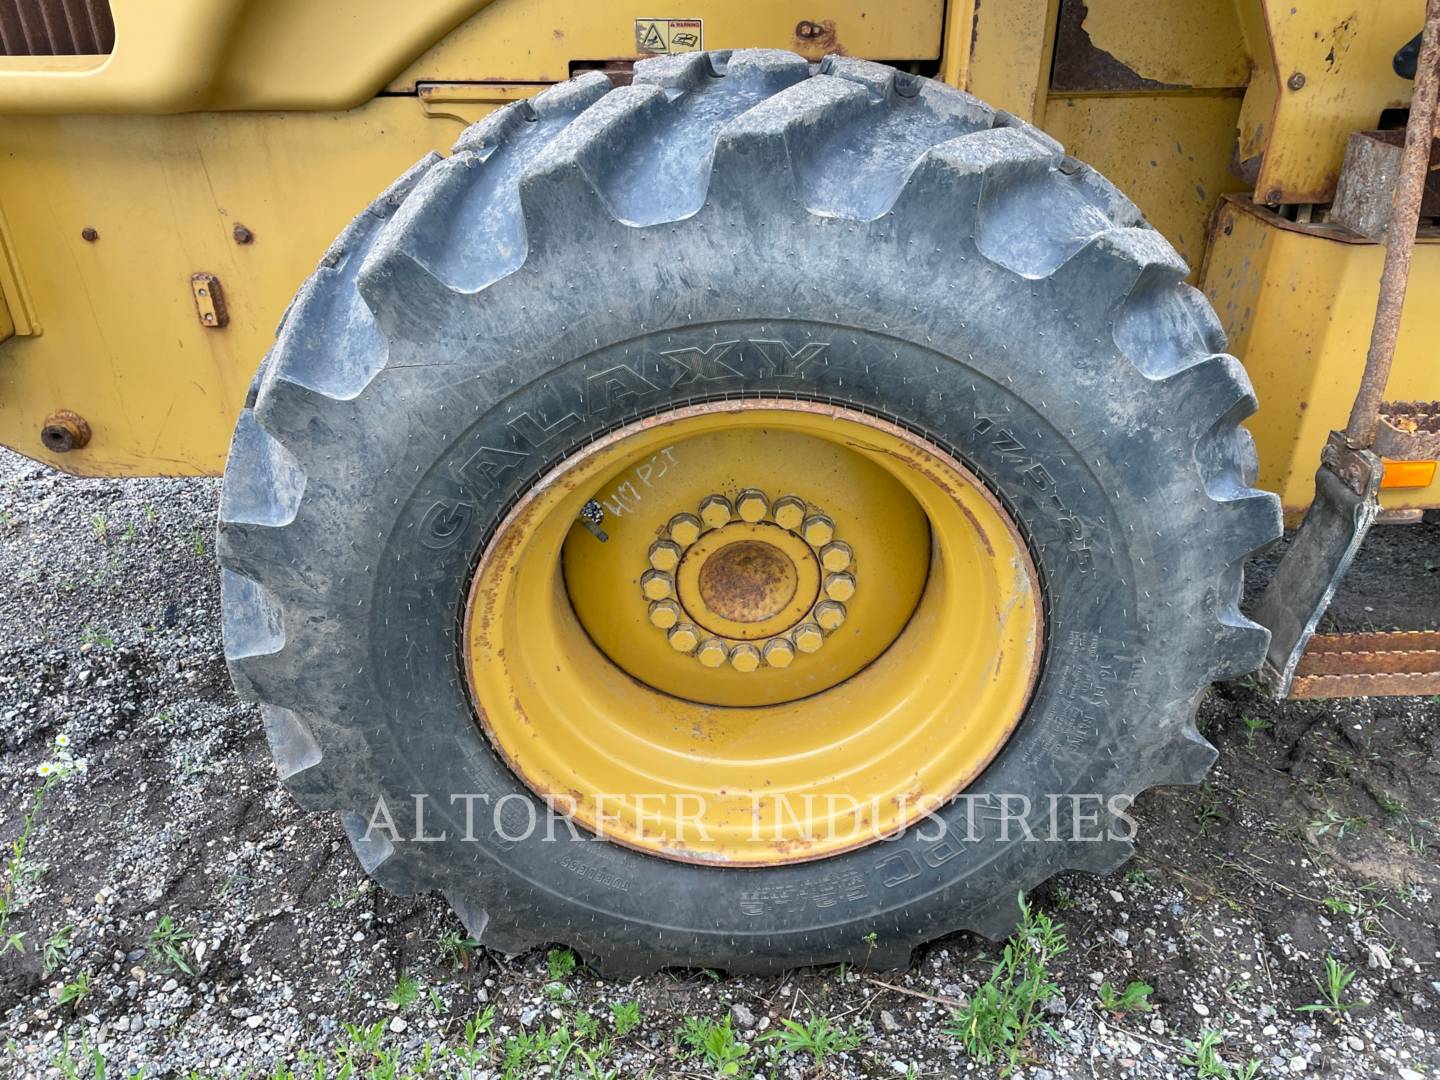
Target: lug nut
[
  {"x": 779, "y": 653},
  {"x": 744, "y": 657},
  {"x": 665, "y": 556},
  {"x": 712, "y": 652},
  {"x": 685, "y": 529},
  {"x": 818, "y": 531},
  {"x": 656, "y": 585},
  {"x": 836, "y": 555},
  {"x": 789, "y": 512},
  {"x": 752, "y": 505},
  {"x": 829, "y": 614},
  {"x": 839, "y": 586},
  {"x": 715, "y": 510},
  {"x": 683, "y": 638},
  {"x": 808, "y": 637},
  {"x": 664, "y": 614}
]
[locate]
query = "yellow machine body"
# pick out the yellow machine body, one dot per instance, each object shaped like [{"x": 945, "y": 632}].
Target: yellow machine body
[{"x": 210, "y": 158}]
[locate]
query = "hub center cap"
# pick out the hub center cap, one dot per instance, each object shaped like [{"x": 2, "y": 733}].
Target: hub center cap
[{"x": 747, "y": 582}]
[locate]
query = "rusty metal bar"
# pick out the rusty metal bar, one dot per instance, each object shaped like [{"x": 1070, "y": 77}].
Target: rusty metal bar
[
  {"x": 1405, "y": 684},
  {"x": 1345, "y": 665},
  {"x": 1399, "y": 237}
]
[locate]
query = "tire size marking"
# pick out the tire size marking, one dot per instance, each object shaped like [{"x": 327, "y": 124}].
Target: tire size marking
[{"x": 1003, "y": 444}]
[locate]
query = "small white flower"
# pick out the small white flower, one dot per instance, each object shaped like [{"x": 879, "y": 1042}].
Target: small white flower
[
  {"x": 46, "y": 769},
  {"x": 62, "y": 740}
]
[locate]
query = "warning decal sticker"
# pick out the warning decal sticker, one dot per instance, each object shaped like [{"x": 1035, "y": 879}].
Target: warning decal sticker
[{"x": 669, "y": 35}]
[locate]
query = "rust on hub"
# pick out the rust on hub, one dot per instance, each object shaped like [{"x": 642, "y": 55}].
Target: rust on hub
[{"x": 748, "y": 581}]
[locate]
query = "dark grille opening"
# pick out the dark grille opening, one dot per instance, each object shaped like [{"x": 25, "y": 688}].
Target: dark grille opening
[{"x": 56, "y": 28}]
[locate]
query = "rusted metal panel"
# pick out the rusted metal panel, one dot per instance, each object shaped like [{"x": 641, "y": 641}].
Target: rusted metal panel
[
  {"x": 1125, "y": 46},
  {"x": 56, "y": 28},
  {"x": 1080, "y": 65},
  {"x": 1387, "y": 663}
]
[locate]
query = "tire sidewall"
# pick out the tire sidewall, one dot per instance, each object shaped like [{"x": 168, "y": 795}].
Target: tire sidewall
[{"x": 1085, "y": 705}]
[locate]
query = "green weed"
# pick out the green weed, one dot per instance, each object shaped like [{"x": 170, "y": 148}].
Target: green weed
[
  {"x": 1204, "y": 1057},
  {"x": 165, "y": 942},
  {"x": 1134, "y": 998},
  {"x": 713, "y": 1044},
  {"x": 817, "y": 1036},
  {"x": 1001, "y": 1016},
  {"x": 1337, "y": 980}
]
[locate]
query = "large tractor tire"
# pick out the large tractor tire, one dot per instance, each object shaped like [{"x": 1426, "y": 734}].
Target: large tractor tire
[{"x": 694, "y": 456}]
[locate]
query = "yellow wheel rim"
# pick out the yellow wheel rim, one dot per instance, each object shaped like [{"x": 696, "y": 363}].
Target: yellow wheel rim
[{"x": 805, "y": 628}]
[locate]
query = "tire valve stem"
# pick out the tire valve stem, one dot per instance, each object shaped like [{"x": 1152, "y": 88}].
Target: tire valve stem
[{"x": 591, "y": 515}]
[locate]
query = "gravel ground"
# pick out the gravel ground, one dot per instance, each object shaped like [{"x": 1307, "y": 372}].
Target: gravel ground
[{"x": 217, "y": 930}]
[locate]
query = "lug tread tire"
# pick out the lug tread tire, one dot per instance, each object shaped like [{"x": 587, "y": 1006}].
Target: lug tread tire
[{"x": 584, "y": 176}]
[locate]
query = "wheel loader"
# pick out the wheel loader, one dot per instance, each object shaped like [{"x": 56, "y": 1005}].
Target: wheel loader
[{"x": 740, "y": 485}]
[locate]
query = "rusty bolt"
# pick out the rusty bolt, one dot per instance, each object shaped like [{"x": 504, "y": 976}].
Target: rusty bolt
[
  {"x": 779, "y": 653},
  {"x": 836, "y": 556},
  {"x": 89, "y": 235},
  {"x": 712, "y": 652},
  {"x": 819, "y": 530},
  {"x": 1296, "y": 81},
  {"x": 744, "y": 657},
  {"x": 715, "y": 510},
  {"x": 242, "y": 234},
  {"x": 752, "y": 505},
  {"x": 808, "y": 637},
  {"x": 683, "y": 638},
  {"x": 656, "y": 585},
  {"x": 665, "y": 555},
  {"x": 789, "y": 512},
  {"x": 839, "y": 586},
  {"x": 829, "y": 614},
  {"x": 64, "y": 431},
  {"x": 685, "y": 529},
  {"x": 664, "y": 614}
]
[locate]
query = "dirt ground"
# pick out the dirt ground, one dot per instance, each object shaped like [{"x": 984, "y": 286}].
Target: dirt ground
[{"x": 218, "y": 930}]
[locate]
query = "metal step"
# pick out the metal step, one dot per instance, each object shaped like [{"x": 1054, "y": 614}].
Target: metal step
[{"x": 1399, "y": 662}]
